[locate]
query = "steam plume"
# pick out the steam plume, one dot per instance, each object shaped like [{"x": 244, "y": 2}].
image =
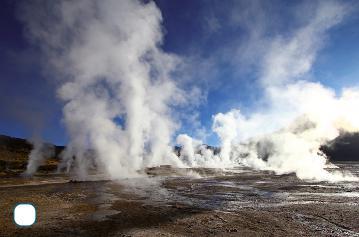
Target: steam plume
[
  {"x": 114, "y": 80},
  {"x": 40, "y": 152},
  {"x": 297, "y": 116},
  {"x": 119, "y": 95}
]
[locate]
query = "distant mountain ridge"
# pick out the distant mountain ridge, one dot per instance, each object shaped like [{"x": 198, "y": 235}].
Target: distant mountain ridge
[{"x": 14, "y": 152}]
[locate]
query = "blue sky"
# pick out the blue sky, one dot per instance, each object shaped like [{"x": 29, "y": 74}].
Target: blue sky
[
  {"x": 27, "y": 105},
  {"x": 215, "y": 37}
]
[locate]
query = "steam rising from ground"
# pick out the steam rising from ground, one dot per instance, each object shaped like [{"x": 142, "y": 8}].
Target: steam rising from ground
[
  {"x": 115, "y": 80},
  {"x": 119, "y": 93},
  {"x": 296, "y": 116},
  {"x": 40, "y": 152}
]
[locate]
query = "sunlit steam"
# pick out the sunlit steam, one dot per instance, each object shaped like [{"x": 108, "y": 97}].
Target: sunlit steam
[
  {"x": 115, "y": 80},
  {"x": 297, "y": 116},
  {"x": 119, "y": 94}
]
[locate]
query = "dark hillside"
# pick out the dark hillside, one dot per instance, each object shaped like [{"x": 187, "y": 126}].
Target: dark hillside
[
  {"x": 14, "y": 154},
  {"x": 343, "y": 148}
]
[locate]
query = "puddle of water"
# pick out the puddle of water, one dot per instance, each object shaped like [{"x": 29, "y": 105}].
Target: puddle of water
[{"x": 342, "y": 194}]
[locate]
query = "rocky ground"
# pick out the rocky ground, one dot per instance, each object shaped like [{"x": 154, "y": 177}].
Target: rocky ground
[{"x": 184, "y": 202}]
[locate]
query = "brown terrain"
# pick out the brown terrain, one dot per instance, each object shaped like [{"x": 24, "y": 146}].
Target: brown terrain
[{"x": 175, "y": 202}]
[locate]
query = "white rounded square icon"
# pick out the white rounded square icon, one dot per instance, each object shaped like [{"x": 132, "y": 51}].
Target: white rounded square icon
[{"x": 24, "y": 214}]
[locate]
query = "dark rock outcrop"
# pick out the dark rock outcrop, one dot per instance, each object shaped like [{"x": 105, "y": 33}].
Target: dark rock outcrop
[{"x": 343, "y": 148}]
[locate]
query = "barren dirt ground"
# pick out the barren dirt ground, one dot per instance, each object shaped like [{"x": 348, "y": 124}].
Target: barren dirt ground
[{"x": 184, "y": 202}]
